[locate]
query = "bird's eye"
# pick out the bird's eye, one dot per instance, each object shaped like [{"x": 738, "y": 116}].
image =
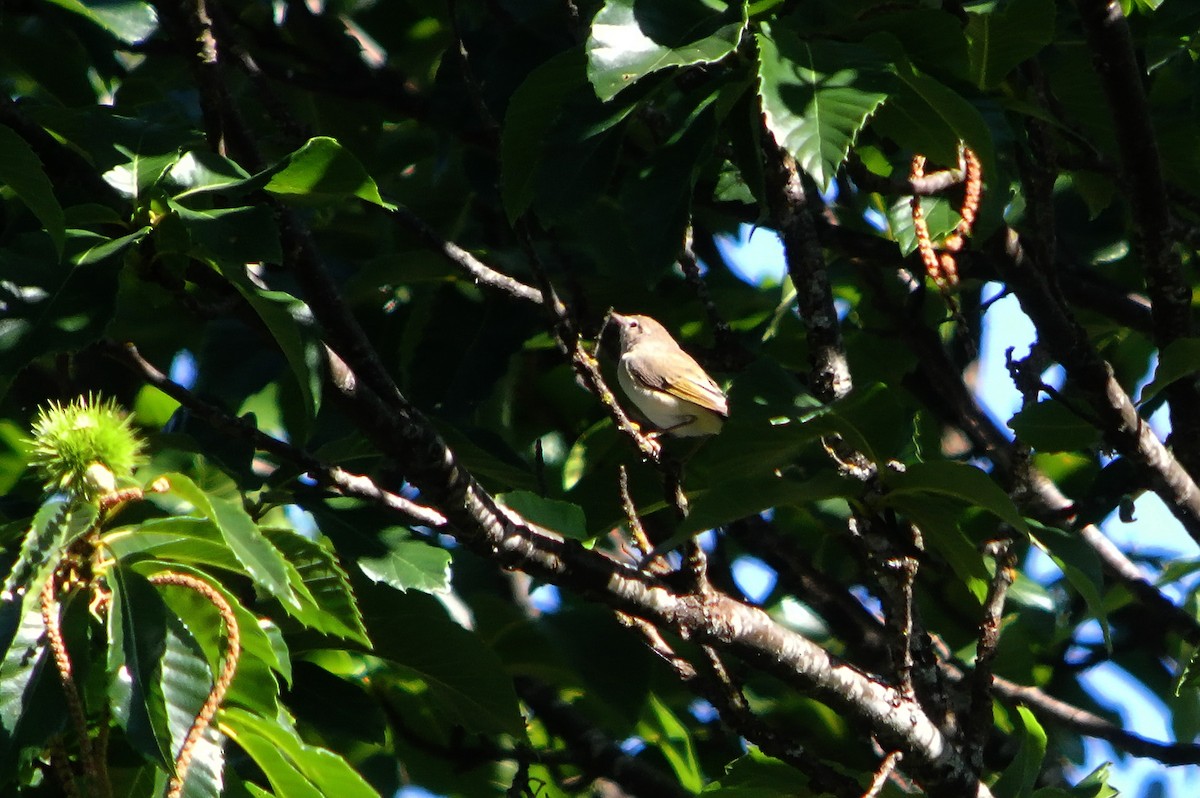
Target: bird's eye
[{"x": 633, "y": 325}]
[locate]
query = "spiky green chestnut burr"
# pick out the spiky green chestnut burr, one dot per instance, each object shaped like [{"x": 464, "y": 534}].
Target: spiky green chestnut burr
[{"x": 85, "y": 447}]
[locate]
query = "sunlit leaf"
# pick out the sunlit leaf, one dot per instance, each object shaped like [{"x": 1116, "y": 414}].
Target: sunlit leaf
[
  {"x": 1018, "y": 780},
  {"x": 323, "y": 171},
  {"x": 408, "y": 563},
  {"x": 629, "y": 39},
  {"x": 817, "y": 96},
  {"x": 293, "y": 767},
  {"x": 131, "y": 21},
  {"x": 137, "y": 642},
  {"x": 661, "y": 728},
  {"x": 262, "y": 561},
  {"x": 328, "y": 602}
]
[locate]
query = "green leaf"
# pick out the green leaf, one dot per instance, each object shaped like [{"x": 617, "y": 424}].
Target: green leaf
[
  {"x": 238, "y": 235},
  {"x": 202, "y": 171},
  {"x": 327, "y": 602},
  {"x": 293, "y": 767},
  {"x": 263, "y": 652},
  {"x": 1050, "y": 426},
  {"x": 186, "y": 682},
  {"x": 958, "y": 480},
  {"x": 756, "y": 775},
  {"x": 565, "y": 518},
  {"x": 939, "y": 525},
  {"x": 263, "y": 562},
  {"x": 630, "y": 39},
  {"x": 927, "y": 116},
  {"x": 135, "y": 177},
  {"x": 85, "y": 247},
  {"x": 660, "y": 728},
  {"x": 532, "y": 110},
  {"x": 1094, "y": 785},
  {"x": 462, "y": 679},
  {"x": 323, "y": 171},
  {"x": 1081, "y": 567},
  {"x": 728, "y": 500},
  {"x": 292, "y": 326},
  {"x": 1019, "y": 778},
  {"x": 32, "y": 708},
  {"x": 56, "y": 523},
  {"x": 21, "y": 171},
  {"x": 50, "y": 307},
  {"x": 408, "y": 563},
  {"x": 817, "y": 96},
  {"x": 1178, "y": 359},
  {"x": 186, "y": 539},
  {"x": 131, "y": 21},
  {"x": 1002, "y": 38},
  {"x": 136, "y": 646},
  {"x": 940, "y": 214}
]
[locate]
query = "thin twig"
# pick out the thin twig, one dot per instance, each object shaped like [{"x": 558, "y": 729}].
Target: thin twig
[
  {"x": 474, "y": 268},
  {"x": 908, "y": 574},
  {"x": 474, "y": 90},
  {"x": 691, "y": 272},
  {"x": 900, "y": 185},
  {"x": 637, "y": 530},
  {"x": 881, "y": 776},
  {"x": 1080, "y": 721},
  {"x": 347, "y": 483},
  {"x": 979, "y": 716}
]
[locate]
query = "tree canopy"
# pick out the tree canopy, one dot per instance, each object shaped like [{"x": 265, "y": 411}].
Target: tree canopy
[{"x": 317, "y": 480}]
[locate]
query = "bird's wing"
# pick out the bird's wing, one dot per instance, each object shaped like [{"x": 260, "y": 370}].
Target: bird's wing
[{"x": 689, "y": 383}]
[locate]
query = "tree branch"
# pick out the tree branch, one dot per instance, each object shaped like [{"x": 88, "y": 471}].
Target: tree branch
[
  {"x": 791, "y": 215},
  {"x": 1119, "y": 421},
  {"x": 979, "y": 718},
  {"x": 331, "y": 476},
  {"x": 711, "y": 617},
  {"x": 1121, "y": 77}
]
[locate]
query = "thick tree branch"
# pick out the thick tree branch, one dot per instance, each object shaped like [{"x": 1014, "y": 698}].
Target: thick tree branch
[
  {"x": 1051, "y": 710},
  {"x": 941, "y": 385},
  {"x": 713, "y": 682},
  {"x": 748, "y": 632},
  {"x": 1119, "y": 421},
  {"x": 792, "y": 216},
  {"x": 1121, "y": 77}
]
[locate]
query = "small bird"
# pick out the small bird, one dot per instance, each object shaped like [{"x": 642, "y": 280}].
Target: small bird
[{"x": 665, "y": 382}]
